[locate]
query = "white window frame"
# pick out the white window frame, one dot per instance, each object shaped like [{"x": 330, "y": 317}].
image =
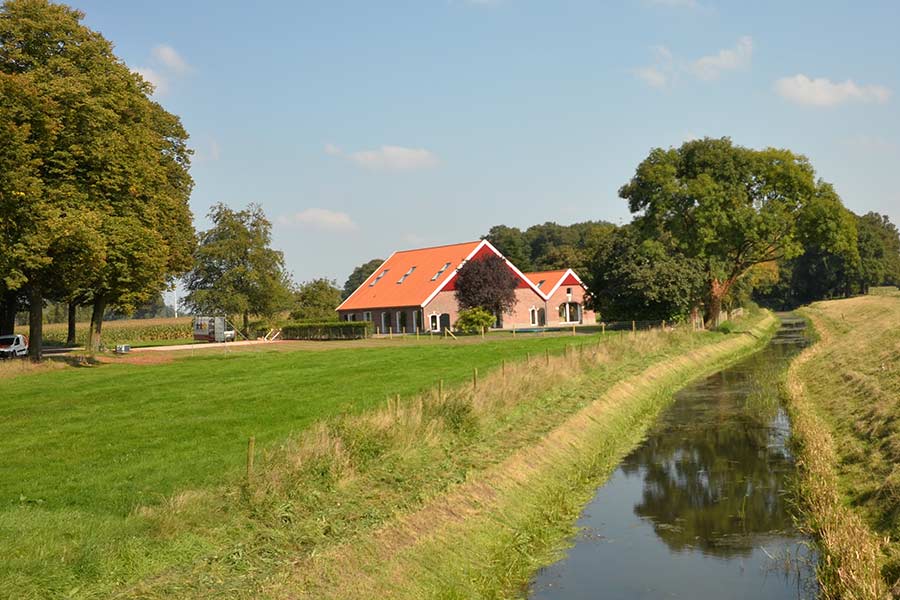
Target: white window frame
[
  {"x": 367, "y": 315},
  {"x": 533, "y": 314},
  {"x": 434, "y": 322}
]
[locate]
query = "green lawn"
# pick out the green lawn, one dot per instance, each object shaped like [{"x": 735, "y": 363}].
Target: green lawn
[{"x": 106, "y": 439}]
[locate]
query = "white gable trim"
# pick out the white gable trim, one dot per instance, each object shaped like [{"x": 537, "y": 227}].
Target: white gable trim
[
  {"x": 483, "y": 244},
  {"x": 563, "y": 278},
  {"x": 366, "y": 282}
]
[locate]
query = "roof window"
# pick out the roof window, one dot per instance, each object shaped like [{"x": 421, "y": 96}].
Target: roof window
[
  {"x": 405, "y": 275},
  {"x": 441, "y": 271},
  {"x": 377, "y": 279},
  {"x": 541, "y": 282}
]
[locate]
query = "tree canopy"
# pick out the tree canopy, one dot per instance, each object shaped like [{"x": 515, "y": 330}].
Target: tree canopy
[
  {"x": 236, "y": 272},
  {"x": 729, "y": 207},
  {"x": 486, "y": 283},
  {"x": 316, "y": 300},
  {"x": 550, "y": 246},
  {"x": 94, "y": 181},
  {"x": 359, "y": 276}
]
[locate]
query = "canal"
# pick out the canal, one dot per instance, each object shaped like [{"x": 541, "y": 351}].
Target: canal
[{"x": 702, "y": 508}]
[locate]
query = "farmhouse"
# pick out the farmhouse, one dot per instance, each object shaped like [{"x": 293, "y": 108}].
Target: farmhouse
[{"x": 413, "y": 290}]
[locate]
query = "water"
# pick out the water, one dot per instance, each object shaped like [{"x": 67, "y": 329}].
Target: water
[{"x": 702, "y": 509}]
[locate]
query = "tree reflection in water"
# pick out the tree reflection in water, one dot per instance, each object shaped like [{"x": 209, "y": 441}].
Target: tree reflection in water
[{"x": 716, "y": 466}]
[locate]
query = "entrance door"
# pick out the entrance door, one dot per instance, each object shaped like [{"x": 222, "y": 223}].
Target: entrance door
[{"x": 445, "y": 321}]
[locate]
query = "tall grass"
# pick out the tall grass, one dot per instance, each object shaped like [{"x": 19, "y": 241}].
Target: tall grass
[
  {"x": 454, "y": 495},
  {"x": 843, "y": 401}
]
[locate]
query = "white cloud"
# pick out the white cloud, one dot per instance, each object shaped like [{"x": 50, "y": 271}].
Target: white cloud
[
  {"x": 170, "y": 59},
  {"x": 710, "y": 67},
  {"x": 388, "y": 158},
  {"x": 652, "y": 76},
  {"x": 167, "y": 63},
  {"x": 801, "y": 89},
  {"x": 321, "y": 219},
  {"x": 159, "y": 81}
]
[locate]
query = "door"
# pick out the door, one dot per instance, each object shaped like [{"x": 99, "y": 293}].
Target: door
[{"x": 445, "y": 322}]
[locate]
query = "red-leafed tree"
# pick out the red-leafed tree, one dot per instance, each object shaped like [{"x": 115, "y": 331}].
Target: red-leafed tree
[{"x": 486, "y": 283}]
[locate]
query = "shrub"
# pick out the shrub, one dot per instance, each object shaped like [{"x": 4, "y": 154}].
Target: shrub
[
  {"x": 337, "y": 330},
  {"x": 473, "y": 320}
]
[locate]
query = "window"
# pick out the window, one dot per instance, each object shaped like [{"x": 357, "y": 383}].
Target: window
[
  {"x": 416, "y": 321},
  {"x": 401, "y": 320},
  {"x": 405, "y": 275},
  {"x": 569, "y": 291},
  {"x": 367, "y": 316},
  {"x": 441, "y": 271},
  {"x": 542, "y": 282},
  {"x": 377, "y": 279},
  {"x": 434, "y": 323},
  {"x": 570, "y": 312},
  {"x": 534, "y": 315}
]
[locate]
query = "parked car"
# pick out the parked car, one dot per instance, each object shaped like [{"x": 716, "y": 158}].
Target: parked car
[{"x": 12, "y": 346}]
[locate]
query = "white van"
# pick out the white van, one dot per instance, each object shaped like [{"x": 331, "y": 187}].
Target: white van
[{"x": 12, "y": 346}]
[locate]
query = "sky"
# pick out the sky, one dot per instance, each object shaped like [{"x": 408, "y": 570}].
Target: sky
[{"x": 368, "y": 126}]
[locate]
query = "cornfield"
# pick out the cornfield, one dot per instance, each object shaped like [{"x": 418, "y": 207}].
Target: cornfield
[{"x": 122, "y": 332}]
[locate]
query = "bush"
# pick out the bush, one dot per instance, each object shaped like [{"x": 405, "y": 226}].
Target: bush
[
  {"x": 474, "y": 320},
  {"x": 727, "y": 327},
  {"x": 337, "y": 330}
]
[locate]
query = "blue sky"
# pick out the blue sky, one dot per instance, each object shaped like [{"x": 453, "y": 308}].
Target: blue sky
[{"x": 367, "y": 126}]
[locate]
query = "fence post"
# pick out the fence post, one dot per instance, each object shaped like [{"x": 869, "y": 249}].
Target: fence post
[
  {"x": 251, "y": 445},
  {"x": 603, "y": 328},
  {"x": 547, "y": 355},
  {"x": 633, "y": 327},
  {"x": 503, "y": 368},
  {"x": 441, "y": 390},
  {"x": 475, "y": 379},
  {"x": 573, "y": 329},
  {"x": 391, "y": 332}
]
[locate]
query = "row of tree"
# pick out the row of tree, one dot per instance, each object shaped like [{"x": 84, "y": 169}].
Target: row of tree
[
  {"x": 94, "y": 182},
  {"x": 717, "y": 224}
]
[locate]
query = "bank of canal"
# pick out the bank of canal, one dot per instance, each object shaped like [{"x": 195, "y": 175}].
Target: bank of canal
[{"x": 701, "y": 509}]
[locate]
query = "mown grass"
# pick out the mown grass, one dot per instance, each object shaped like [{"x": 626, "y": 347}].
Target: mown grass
[
  {"x": 843, "y": 398},
  {"x": 125, "y": 479}
]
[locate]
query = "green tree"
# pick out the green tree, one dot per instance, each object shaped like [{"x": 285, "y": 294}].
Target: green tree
[
  {"x": 100, "y": 168},
  {"x": 511, "y": 242},
  {"x": 359, "y": 276},
  {"x": 486, "y": 283},
  {"x": 235, "y": 271},
  {"x": 631, "y": 278},
  {"x": 474, "y": 320},
  {"x": 316, "y": 300},
  {"x": 727, "y": 206}
]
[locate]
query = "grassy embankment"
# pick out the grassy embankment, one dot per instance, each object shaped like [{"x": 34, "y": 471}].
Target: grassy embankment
[
  {"x": 125, "y": 479},
  {"x": 843, "y": 394}
]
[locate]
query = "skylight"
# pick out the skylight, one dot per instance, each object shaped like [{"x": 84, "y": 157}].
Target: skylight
[
  {"x": 541, "y": 282},
  {"x": 441, "y": 271},
  {"x": 405, "y": 275},
  {"x": 377, "y": 279}
]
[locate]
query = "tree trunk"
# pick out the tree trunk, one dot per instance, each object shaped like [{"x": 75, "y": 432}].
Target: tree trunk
[
  {"x": 8, "y": 313},
  {"x": 70, "y": 335},
  {"x": 717, "y": 292},
  {"x": 35, "y": 323},
  {"x": 246, "y": 324},
  {"x": 96, "y": 323}
]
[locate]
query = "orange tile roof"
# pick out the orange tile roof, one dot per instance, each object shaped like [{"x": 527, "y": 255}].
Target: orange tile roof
[
  {"x": 550, "y": 278},
  {"x": 383, "y": 289}
]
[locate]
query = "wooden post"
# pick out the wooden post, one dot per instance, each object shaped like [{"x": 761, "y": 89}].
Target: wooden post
[
  {"x": 482, "y": 332},
  {"x": 633, "y": 327},
  {"x": 391, "y": 332},
  {"x": 417, "y": 334},
  {"x": 441, "y": 390},
  {"x": 547, "y": 355},
  {"x": 573, "y": 329},
  {"x": 514, "y": 330},
  {"x": 475, "y": 379},
  {"x": 397, "y": 405},
  {"x": 251, "y": 445},
  {"x": 603, "y": 328},
  {"x": 503, "y": 368}
]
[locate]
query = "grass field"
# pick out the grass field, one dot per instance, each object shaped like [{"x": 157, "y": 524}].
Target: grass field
[
  {"x": 126, "y": 479},
  {"x": 844, "y": 398}
]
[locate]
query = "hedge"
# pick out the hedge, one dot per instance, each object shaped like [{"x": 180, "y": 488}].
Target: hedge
[{"x": 334, "y": 330}]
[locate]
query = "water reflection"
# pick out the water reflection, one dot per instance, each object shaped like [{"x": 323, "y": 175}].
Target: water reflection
[{"x": 698, "y": 510}]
